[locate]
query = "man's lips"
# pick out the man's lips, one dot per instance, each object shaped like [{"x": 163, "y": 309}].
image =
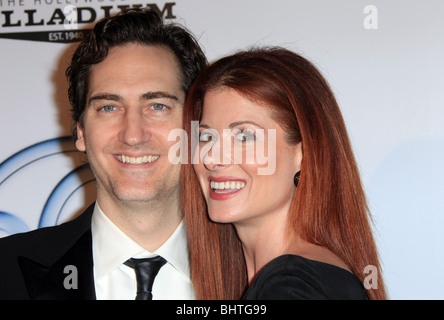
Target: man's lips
[{"x": 125, "y": 159}]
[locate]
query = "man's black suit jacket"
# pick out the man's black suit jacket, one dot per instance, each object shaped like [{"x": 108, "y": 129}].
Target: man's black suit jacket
[{"x": 49, "y": 263}]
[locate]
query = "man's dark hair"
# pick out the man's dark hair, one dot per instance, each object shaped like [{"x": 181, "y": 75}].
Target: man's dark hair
[{"x": 143, "y": 26}]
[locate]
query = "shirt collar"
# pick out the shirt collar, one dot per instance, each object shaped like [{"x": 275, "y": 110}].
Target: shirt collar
[{"x": 112, "y": 247}]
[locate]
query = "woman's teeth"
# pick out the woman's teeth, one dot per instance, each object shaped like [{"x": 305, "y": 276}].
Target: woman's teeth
[
  {"x": 228, "y": 186},
  {"x": 136, "y": 160}
]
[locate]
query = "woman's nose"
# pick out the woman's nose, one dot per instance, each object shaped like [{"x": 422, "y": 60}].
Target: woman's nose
[{"x": 216, "y": 155}]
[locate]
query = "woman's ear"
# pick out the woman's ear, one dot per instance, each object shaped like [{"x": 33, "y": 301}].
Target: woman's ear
[{"x": 298, "y": 157}]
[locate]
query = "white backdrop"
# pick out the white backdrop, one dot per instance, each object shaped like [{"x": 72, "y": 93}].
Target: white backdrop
[{"x": 383, "y": 59}]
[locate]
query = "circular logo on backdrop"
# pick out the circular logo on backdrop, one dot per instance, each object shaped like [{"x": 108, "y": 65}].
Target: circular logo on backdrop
[{"x": 43, "y": 185}]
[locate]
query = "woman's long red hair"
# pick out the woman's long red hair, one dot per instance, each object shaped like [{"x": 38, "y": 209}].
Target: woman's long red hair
[{"x": 329, "y": 207}]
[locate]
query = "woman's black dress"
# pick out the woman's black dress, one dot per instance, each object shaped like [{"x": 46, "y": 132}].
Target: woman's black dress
[{"x": 294, "y": 277}]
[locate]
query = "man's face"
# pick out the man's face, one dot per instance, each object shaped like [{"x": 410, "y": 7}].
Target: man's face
[{"x": 134, "y": 100}]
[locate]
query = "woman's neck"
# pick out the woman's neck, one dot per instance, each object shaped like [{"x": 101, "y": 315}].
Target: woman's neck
[
  {"x": 262, "y": 245},
  {"x": 262, "y": 241}
]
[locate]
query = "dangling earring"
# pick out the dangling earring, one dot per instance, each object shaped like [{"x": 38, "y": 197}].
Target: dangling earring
[{"x": 296, "y": 178}]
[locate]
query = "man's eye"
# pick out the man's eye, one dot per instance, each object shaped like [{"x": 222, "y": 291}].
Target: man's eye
[
  {"x": 158, "y": 107},
  {"x": 108, "y": 108}
]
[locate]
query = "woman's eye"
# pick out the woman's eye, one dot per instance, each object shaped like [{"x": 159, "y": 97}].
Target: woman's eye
[
  {"x": 206, "y": 136},
  {"x": 245, "y": 136},
  {"x": 108, "y": 108},
  {"x": 158, "y": 107}
]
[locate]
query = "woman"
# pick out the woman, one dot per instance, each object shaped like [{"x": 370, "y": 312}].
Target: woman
[{"x": 298, "y": 209}]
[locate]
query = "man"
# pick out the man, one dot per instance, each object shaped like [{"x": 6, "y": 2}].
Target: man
[{"x": 128, "y": 82}]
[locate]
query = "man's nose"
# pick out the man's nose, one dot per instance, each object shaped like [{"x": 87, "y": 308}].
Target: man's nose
[{"x": 135, "y": 129}]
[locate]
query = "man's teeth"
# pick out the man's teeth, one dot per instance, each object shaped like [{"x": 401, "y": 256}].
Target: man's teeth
[
  {"x": 137, "y": 160},
  {"x": 230, "y": 186}
]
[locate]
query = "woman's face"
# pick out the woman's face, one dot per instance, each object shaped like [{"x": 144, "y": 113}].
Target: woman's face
[{"x": 245, "y": 165}]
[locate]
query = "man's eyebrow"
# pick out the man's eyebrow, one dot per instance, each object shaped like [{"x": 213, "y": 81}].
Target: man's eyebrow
[
  {"x": 105, "y": 96},
  {"x": 146, "y": 96},
  {"x": 159, "y": 94}
]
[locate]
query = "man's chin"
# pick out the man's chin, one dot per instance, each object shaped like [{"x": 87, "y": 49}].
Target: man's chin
[
  {"x": 125, "y": 198},
  {"x": 127, "y": 194}
]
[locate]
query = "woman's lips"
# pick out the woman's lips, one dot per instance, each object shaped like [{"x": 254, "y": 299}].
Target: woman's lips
[{"x": 222, "y": 188}]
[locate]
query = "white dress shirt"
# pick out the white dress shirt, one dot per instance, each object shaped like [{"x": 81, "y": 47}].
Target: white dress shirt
[{"x": 115, "y": 281}]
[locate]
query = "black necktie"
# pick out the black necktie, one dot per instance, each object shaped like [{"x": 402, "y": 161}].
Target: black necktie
[{"x": 146, "y": 270}]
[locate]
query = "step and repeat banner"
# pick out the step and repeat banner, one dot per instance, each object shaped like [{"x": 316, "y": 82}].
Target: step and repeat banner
[{"x": 383, "y": 59}]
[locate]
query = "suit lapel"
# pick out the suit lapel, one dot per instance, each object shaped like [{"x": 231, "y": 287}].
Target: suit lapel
[{"x": 62, "y": 267}]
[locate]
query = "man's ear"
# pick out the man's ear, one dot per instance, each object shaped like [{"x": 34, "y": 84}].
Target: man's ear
[{"x": 80, "y": 142}]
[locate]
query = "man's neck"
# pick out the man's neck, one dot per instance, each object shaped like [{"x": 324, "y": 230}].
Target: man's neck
[{"x": 147, "y": 223}]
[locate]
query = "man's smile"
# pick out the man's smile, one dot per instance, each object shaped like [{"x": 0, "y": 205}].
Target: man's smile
[{"x": 137, "y": 160}]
